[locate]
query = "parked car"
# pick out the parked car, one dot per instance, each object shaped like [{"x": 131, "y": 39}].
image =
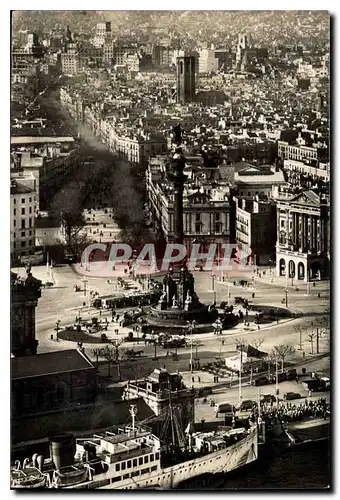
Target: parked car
[
  {"x": 247, "y": 405},
  {"x": 224, "y": 408},
  {"x": 268, "y": 398},
  {"x": 260, "y": 381},
  {"x": 291, "y": 395}
]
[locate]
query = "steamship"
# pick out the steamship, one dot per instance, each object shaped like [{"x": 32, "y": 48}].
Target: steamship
[{"x": 134, "y": 458}]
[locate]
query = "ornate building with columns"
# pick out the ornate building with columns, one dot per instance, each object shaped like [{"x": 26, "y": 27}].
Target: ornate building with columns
[
  {"x": 303, "y": 244},
  {"x": 25, "y": 292}
]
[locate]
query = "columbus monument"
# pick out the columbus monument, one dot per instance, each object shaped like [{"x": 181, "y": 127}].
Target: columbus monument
[{"x": 179, "y": 304}]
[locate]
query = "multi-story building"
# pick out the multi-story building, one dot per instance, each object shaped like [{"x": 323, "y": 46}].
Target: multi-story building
[
  {"x": 252, "y": 181},
  {"x": 302, "y": 248},
  {"x": 52, "y": 160},
  {"x": 206, "y": 207},
  {"x": 287, "y": 151},
  {"x": 256, "y": 228},
  {"x": 186, "y": 77},
  {"x": 314, "y": 169},
  {"x": 23, "y": 192},
  {"x": 207, "y": 62}
]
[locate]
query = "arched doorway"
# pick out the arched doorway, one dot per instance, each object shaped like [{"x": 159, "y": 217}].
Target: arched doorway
[
  {"x": 282, "y": 267},
  {"x": 301, "y": 271},
  {"x": 315, "y": 270},
  {"x": 291, "y": 269}
]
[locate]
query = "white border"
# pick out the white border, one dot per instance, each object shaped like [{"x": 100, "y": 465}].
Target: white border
[{"x": 331, "y": 6}]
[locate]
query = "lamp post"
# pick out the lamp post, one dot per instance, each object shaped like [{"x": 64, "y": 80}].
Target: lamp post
[
  {"x": 213, "y": 287},
  {"x": 85, "y": 282},
  {"x": 191, "y": 327},
  {"x": 286, "y": 292}
]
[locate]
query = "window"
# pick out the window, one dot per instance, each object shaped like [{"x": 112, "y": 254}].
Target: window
[
  {"x": 282, "y": 223},
  {"x": 197, "y": 227},
  {"x": 140, "y": 461},
  {"x": 14, "y": 211},
  {"x": 14, "y": 201},
  {"x": 22, "y": 200},
  {"x": 135, "y": 473},
  {"x": 123, "y": 465},
  {"x": 154, "y": 467},
  {"x": 23, "y": 211},
  {"x": 30, "y": 199},
  {"x": 30, "y": 210},
  {"x": 23, "y": 224},
  {"x": 15, "y": 223},
  {"x": 23, "y": 234},
  {"x": 30, "y": 243},
  {"x": 144, "y": 471},
  {"x": 23, "y": 244},
  {"x": 198, "y": 217},
  {"x": 134, "y": 462},
  {"x": 152, "y": 458},
  {"x": 126, "y": 476},
  {"x": 129, "y": 464},
  {"x": 30, "y": 233},
  {"x": 14, "y": 245},
  {"x": 157, "y": 455},
  {"x": 146, "y": 459},
  {"x": 117, "y": 467}
]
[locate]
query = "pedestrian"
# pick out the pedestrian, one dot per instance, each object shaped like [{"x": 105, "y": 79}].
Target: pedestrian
[{"x": 258, "y": 327}]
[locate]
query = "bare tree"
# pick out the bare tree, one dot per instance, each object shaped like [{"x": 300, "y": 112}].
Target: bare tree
[
  {"x": 110, "y": 355},
  {"x": 280, "y": 352},
  {"x": 257, "y": 343},
  {"x": 116, "y": 356},
  {"x": 311, "y": 337},
  {"x": 98, "y": 352}
]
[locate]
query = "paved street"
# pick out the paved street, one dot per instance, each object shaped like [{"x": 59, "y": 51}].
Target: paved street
[{"x": 61, "y": 302}]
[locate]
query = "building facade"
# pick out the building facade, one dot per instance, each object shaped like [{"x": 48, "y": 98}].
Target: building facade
[
  {"x": 186, "y": 77},
  {"x": 256, "y": 228},
  {"x": 206, "y": 207},
  {"x": 25, "y": 292},
  {"x": 302, "y": 249},
  {"x": 23, "y": 206}
]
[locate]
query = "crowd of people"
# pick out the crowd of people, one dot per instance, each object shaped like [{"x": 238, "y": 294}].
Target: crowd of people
[{"x": 289, "y": 412}]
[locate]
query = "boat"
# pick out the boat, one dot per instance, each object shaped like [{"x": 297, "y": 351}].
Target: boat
[{"x": 132, "y": 457}]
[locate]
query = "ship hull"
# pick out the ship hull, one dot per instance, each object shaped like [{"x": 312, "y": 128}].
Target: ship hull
[{"x": 238, "y": 455}]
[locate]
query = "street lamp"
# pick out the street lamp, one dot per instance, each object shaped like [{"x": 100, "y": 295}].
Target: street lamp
[
  {"x": 286, "y": 292},
  {"x": 85, "y": 282},
  {"x": 191, "y": 327}
]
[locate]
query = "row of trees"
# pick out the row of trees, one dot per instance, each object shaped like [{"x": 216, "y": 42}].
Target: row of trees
[
  {"x": 279, "y": 353},
  {"x": 111, "y": 354},
  {"x": 105, "y": 183}
]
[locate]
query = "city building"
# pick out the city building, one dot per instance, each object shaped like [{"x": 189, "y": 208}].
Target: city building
[
  {"x": 23, "y": 206},
  {"x": 264, "y": 180},
  {"x": 206, "y": 202},
  {"x": 256, "y": 228},
  {"x": 303, "y": 241},
  {"x": 158, "y": 389},
  {"x": 25, "y": 292},
  {"x": 186, "y": 77},
  {"x": 58, "y": 382},
  {"x": 52, "y": 160},
  {"x": 207, "y": 61}
]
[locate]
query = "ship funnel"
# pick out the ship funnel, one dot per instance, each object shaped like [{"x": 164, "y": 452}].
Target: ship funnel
[
  {"x": 34, "y": 459},
  {"x": 40, "y": 462},
  {"x": 26, "y": 462},
  {"x": 62, "y": 450}
]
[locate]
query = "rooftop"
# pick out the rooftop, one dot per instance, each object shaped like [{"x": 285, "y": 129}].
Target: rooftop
[
  {"x": 40, "y": 140},
  {"x": 49, "y": 363}
]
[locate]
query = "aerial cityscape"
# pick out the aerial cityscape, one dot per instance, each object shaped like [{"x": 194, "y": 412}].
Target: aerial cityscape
[{"x": 170, "y": 250}]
